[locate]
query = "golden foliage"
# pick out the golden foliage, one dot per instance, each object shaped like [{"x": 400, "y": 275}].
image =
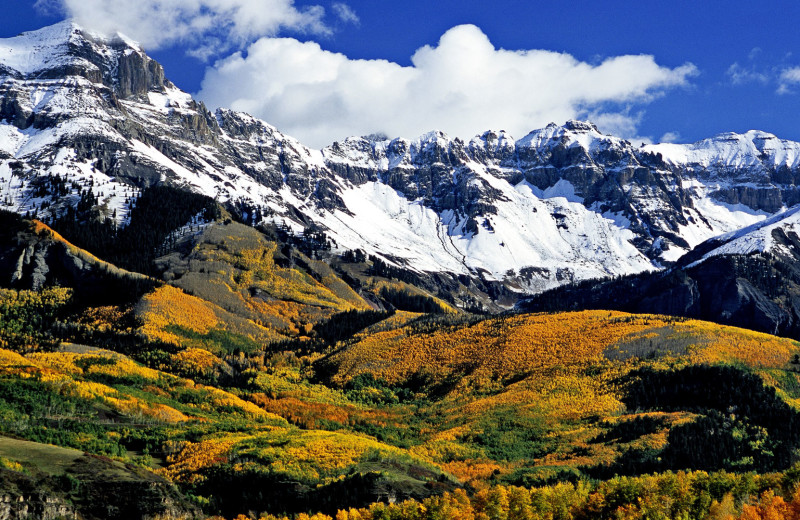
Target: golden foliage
[
  {"x": 50, "y": 297},
  {"x": 495, "y": 350},
  {"x": 719, "y": 343},
  {"x": 186, "y": 466},
  {"x": 113, "y": 365},
  {"x": 376, "y": 285},
  {"x": 491, "y": 349},
  {"x": 9, "y": 464},
  {"x": 308, "y": 456},
  {"x": 195, "y": 360},
  {"x": 134, "y": 407},
  {"x": 216, "y": 398},
  {"x": 69, "y": 369},
  {"x": 315, "y": 455},
  {"x": 167, "y": 306},
  {"x": 395, "y": 321},
  {"x": 9, "y": 358},
  {"x": 564, "y": 396},
  {"x": 103, "y": 319}
]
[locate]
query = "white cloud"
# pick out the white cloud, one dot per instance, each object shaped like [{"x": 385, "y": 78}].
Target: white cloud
[
  {"x": 463, "y": 86},
  {"x": 768, "y": 73},
  {"x": 670, "y": 137},
  {"x": 345, "y": 13},
  {"x": 739, "y": 74},
  {"x": 788, "y": 78},
  {"x": 208, "y": 26},
  {"x": 620, "y": 124}
]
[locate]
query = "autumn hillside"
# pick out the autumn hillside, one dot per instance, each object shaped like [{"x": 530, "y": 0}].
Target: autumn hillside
[
  {"x": 228, "y": 283},
  {"x": 246, "y": 373}
]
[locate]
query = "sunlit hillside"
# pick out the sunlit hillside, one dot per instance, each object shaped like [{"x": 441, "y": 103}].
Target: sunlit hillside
[{"x": 254, "y": 379}]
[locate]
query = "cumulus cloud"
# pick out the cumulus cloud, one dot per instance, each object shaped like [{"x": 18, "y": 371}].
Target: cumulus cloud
[
  {"x": 209, "y": 26},
  {"x": 463, "y": 85}
]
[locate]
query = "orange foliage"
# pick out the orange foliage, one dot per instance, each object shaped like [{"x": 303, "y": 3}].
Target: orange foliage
[
  {"x": 772, "y": 507},
  {"x": 310, "y": 415},
  {"x": 472, "y": 470},
  {"x": 216, "y": 398}
]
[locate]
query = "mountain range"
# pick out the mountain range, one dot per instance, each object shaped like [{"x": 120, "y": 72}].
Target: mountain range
[{"x": 562, "y": 204}]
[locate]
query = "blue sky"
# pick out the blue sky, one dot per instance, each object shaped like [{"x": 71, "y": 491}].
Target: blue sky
[{"x": 716, "y": 66}]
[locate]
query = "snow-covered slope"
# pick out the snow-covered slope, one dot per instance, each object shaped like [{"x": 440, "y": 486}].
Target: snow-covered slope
[
  {"x": 777, "y": 235},
  {"x": 753, "y": 149},
  {"x": 81, "y": 113}
]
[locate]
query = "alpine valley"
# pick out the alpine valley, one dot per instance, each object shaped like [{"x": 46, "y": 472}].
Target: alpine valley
[{"x": 200, "y": 317}]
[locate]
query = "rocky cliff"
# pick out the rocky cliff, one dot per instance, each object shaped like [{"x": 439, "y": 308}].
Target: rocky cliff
[{"x": 54, "y": 483}]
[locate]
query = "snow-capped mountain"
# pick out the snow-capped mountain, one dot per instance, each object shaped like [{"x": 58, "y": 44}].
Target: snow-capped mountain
[
  {"x": 749, "y": 278},
  {"x": 560, "y": 204}
]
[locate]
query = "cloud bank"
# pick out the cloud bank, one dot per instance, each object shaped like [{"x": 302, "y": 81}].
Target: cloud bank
[
  {"x": 207, "y": 26},
  {"x": 463, "y": 86}
]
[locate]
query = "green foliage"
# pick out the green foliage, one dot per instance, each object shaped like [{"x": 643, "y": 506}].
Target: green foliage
[
  {"x": 626, "y": 431},
  {"x": 744, "y": 425},
  {"x": 365, "y": 388},
  {"x": 27, "y": 318},
  {"x": 218, "y": 340},
  {"x": 31, "y": 410},
  {"x": 508, "y": 436}
]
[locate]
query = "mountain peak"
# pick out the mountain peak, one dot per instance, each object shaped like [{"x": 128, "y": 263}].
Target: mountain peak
[
  {"x": 68, "y": 50},
  {"x": 33, "y": 51},
  {"x": 65, "y": 32},
  {"x": 581, "y": 126},
  {"x": 58, "y": 32}
]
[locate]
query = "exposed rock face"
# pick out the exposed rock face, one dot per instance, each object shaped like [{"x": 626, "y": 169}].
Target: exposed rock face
[
  {"x": 769, "y": 199},
  {"x": 21, "y": 498},
  {"x": 562, "y": 203},
  {"x": 32, "y": 260},
  {"x": 105, "y": 491}
]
